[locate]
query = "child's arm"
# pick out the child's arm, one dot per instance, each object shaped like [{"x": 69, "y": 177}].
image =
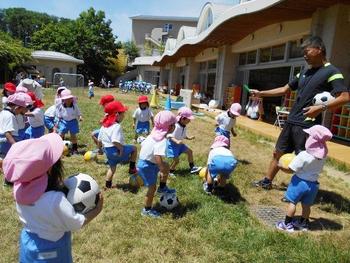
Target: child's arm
[
  {"x": 94, "y": 212},
  {"x": 152, "y": 120},
  {"x": 234, "y": 134},
  {"x": 29, "y": 114},
  {"x": 288, "y": 170},
  {"x": 119, "y": 147},
  {"x": 9, "y": 137},
  {"x": 173, "y": 139},
  {"x": 134, "y": 122},
  {"x": 190, "y": 137}
]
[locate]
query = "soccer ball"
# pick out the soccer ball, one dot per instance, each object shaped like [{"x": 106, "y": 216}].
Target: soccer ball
[
  {"x": 135, "y": 181},
  {"x": 65, "y": 150},
  {"x": 83, "y": 192},
  {"x": 286, "y": 159},
  {"x": 322, "y": 98},
  {"x": 90, "y": 155},
  {"x": 140, "y": 139},
  {"x": 68, "y": 144},
  {"x": 169, "y": 200},
  {"x": 202, "y": 172}
]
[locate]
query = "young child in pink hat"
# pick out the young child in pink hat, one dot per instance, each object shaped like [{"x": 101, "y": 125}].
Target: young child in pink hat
[
  {"x": 151, "y": 160},
  {"x": 221, "y": 163},
  {"x": 35, "y": 169},
  {"x": 303, "y": 188},
  {"x": 68, "y": 115},
  {"x": 175, "y": 143},
  {"x": 35, "y": 117},
  {"x": 225, "y": 121}
]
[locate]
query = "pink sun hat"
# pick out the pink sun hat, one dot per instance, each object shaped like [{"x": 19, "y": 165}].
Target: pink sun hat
[
  {"x": 162, "y": 121},
  {"x": 220, "y": 141},
  {"x": 316, "y": 143},
  {"x": 19, "y": 99},
  {"x": 27, "y": 163},
  {"x": 184, "y": 112},
  {"x": 21, "y": 89},
  {"x": 235, "y": 109},
  {"x": 66, "y": 94}
]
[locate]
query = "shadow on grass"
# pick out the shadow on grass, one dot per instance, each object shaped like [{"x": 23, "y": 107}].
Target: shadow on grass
[
  {"x": 127, "y": 188},
  {"x": 318, "y": 224},
  {"x": 180, "y": 211},
  {"x": 332, "y": 202},
  {"x": 243, "y": 162},
  {"x": 230, "y": 194}
]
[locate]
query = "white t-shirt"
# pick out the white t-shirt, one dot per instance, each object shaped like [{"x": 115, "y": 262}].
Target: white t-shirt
[
  {"x": 225, "y": 122},
  {"x": 4, "y": 102},
  {"x": 21, "y": 121},
  {"x": 38, "y": 119},
  {"x": 179, "y": 132},
  {"x": 150, "y": 148},
  {"x": 142, "y": 115},
  {"x": 51, "y": 111},
  {"x": 69, "y": 113},
  {"x": 111, "y": 134},
  {"x": 50, "y": 217},
  {"x": 307, "y": 167},
  {"x": 218, "y": 151},
  {"x": 8, "y": 123}
]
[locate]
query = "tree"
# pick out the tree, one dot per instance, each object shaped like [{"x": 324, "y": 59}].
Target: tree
[{"x": 131, "y": 50}]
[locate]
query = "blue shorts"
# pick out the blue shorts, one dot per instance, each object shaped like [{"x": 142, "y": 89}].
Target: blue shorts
[
  {"x": 91, "y": 94},
  {"x": 300, "y": 190},
  {"x": 148, "y": 171},
  {"x": 219, "y": 131},
  {"x": 95, "y": 133},
  {"x": 49, "y": 122},
  {"x": 32, "y": 133},
  {"x": 113, "y": 157},
  {"x": 142, "y": 127},
  {"x": 32, "y": 248},
  {"x": 174, "y": 150},
  {"x": 5, "y": 145},
  {"x": 222, "y": 165},
  {"x": 68, "y": 126},
  {"x": 22, "y": 134}
]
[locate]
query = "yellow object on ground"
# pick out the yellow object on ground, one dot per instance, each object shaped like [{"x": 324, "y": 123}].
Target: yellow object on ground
[
  {"x": 202, "y": 172},
  {"x": 154, "y": 100},
  {"x": 65, "y": 150},
  {"x": 135, "y": 181},
  {"x": 90, "y": 155},
  {"x": 286, "y": 159}
]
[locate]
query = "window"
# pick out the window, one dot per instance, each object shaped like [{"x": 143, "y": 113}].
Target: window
[
  {"x": 242, "y": 58},
  {"x": 212, "y": 64},
  {"x": 295, "y": 51},
  {"x": 251, "y": 57},
  {"x": 167, "y": 27},
  {"x": 265, "y": 54},
  {"x": 202, "y": 66},
  {"x": 277, "y": 52}
]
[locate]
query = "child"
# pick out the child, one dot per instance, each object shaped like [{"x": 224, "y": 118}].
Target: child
[
  {"x": 35, "y": 117},
  {"x": 58, "y": 95},
  {"x": 142, "y": 115},
  {"x": 68, "y": 114},
  {"x": 16, "y": 104},
  {"x": 221, "y": 163},
  {"x": 35, "y": 168},
  {"x": 112, "y": 138},
  {"x": 20, "y": 118},
  {"x": 94, "y": 135},
  {"x": 9, "y": 89},
  {"x": 303, "y": 188},
  {"x": 91, "y": 89},
  {"x": 226, "y": 121},
  {"x": 151, "y": 160},
  {"x": 50, "y": 118},
  {"x": 175, "y": 144}
]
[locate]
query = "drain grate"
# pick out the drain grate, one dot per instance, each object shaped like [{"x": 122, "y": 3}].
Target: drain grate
[{"x": 269, "y": 214}]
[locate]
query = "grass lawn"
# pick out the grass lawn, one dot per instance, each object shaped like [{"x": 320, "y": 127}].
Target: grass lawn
[{"x": 203, "y": 228}]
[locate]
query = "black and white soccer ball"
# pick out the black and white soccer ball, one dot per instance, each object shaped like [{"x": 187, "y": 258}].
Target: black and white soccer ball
[
  {"x": 322, "y": 98},
  {"x": 83, "y": 192},
  {"x": 140, "y": 139},
  {"x": 68, "y": 144},
  {"x": 169, "y": 200}
]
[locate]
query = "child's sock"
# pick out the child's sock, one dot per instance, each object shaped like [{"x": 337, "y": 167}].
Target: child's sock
[
  {"x": 162, "y": 185},
  {"x": 74, "y": 146},
  {"x": 108, "y": 184},
  {"x": 172, "y": 171},
  {"x": 191, "y": 165},
  {"x": 288, "y": 220},
  {"x": 132, "y": 165}
]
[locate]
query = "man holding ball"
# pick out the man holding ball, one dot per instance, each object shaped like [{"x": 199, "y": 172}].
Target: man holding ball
[{"x": 318, "y": 77}]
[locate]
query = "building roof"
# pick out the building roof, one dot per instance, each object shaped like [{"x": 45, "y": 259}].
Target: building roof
[
  {"x": 220, "y": 26},
  {"x": 145, "y": 61},
  {"x": 57, "y": 56},
  {"x": 165, "y": 18}
]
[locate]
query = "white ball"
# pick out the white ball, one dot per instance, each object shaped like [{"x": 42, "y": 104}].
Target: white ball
[
  {"x": 83, "y": 192},
  {"x": 140, "y": 139},
  {"x": 322, "y": 98},
  {"x": 213, "y": 104},
  {"x": 169, "y": 200},
  {"x": 68, "y": 144}
]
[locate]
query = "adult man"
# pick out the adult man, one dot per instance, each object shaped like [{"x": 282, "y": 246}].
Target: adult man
[{"x": 320, "y": 76}]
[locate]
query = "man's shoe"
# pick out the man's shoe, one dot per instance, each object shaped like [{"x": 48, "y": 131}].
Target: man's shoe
[
  {"x": 195, "y": 169},
  {"x": 285, "y": 227},
  {"x": 150, "y": 213},
  {"x": 302, "y": 226},
  {"x": 264, "y": 183}
]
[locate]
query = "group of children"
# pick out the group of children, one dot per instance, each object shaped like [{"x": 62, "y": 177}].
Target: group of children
[{"x": 33, "y": 163}]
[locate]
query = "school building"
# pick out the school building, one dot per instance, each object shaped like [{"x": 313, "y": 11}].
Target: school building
[{"x": 256, "y": 43}]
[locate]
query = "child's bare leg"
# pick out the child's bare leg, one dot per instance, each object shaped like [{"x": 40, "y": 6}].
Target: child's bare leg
[
  {"x": 174, "y": 163},
  {"x": 222, "y": 181},
  {"x": 149, "y": 195},
  {"x": 134, "y": 155},
  {"x": 109, "y": 176},
  {"x": 291, "y": 210},
  {"x": 189, "y": 153},
  {"x": 73, "y": 138},
  {"x": 305, "y": 212},
  {"x": 164, "y": 175},
  {"x": 94, "y": 139}
]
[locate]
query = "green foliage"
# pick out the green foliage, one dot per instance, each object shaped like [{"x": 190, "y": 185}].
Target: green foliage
[
  {"x": 147, "y": 48},
  {"x": 131, "y": 50},
  {"x": 12, "y": 53}
]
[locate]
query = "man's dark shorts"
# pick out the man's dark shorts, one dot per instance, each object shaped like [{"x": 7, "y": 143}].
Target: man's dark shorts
[{"x": 292, "y": 138}]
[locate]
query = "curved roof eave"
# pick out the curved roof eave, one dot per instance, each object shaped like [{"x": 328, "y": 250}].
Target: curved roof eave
[
  {"x": 55, "y": 56},
  {"x": 242, "y": 20}
]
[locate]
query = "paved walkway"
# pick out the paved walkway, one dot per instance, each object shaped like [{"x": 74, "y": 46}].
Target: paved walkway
[{"x": 338, "y": 152}]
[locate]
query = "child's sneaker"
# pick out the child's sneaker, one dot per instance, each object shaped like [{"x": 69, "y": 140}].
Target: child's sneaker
[
  {"x": 165, "y": 189},
  {"x": 132, "y": 170},
  {"x": 282, "y": 226},
  {"x": 206, "y": 189},
  {"x": 150, "y": 213},
  {"x": 264, "y": 183},
  {"x": 195, "y": 169},
  {"x": 302, "y": 226}
]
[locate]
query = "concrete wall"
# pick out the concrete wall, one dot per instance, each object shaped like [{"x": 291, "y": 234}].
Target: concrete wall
[
  {"x": 46, "y": 66},
  {"x": 207, "y": 54}
]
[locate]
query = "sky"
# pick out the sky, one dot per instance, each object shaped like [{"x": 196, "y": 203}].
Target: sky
[{"x": 118, "y": 11}]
